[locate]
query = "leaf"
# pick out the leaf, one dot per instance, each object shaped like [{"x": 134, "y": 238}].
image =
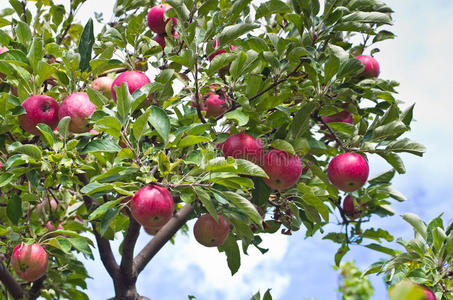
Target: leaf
[
  {"x": 107, "y": 218},
  {"x": 393, "y": 128},
  {"x": 385, "y": 177},
  {"x": 95, "y": 187},
  {"x": 141, "y": 125},
  {"x": 382, "y": 249},
  {"x": 340, "y": 253},
  {"x": 205, "y": 199},
  {"x": 261, "y": 192},
  {"x": 418, "y": 225},
  {"x": 36, "y": 53},
  {"x": 244, "y": 205},
  {"x": 283, "y": 145},
  {"x": 96, "y": 97},
  {"x": 105, "y": 144},
  {"x": 193, "y": 140},
  {"x": 272, "y": 7},
  {"x": 230, "y": 33},
  {"x": 406, "y": 290},
  {"x": 394, "y": 160},
  {"x": 14, "y": 209},
  {"x": 220, "y": 61},
  {"x": 231, "y": 249},
  {"x": 6, "y": 178},
  {"x": 110, "y": 125},
  {"x": 406, "y": 145},
  {"x": 124, "y": 99},
  {"x": 63, "y": 127},
  {"x": 101, "y": 210},
  {"x": 30, "y": 150},
  {"x": 368, "y": 17},
  {"x": 86, "y": 45},
  {"x": 301, "y": 121},
  {"x": 23, "y": 32},
  {"x": 349, "y": 67},
  {"x": 238, "y": 115},
  {"x": 47, "y": 133},
  {"x": 160, "y": 121}
]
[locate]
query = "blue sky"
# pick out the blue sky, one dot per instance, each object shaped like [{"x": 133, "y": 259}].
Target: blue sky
[{"x": 420, "y": 58}]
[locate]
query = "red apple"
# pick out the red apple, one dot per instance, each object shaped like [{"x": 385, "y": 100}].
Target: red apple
[
  {"x": 342, "y": 116},
  {"x": 242, "y": 145},
  {"x": 210, "y": 233},
  {"x": 152, "y": 206},
  {"x": 215, "y": 45},
  {"x": 371, "y": 66},
  {"x": 351, "y": 209},
  {"x": 134, "y": 80},
  {"x": 160, "y": 38},
  {"x": 29, "y": 261},
  {"x": 152, "y": 230},
  {"x": 429, "y": 295},
  {"x": 46, "y": 206},
  {"x": 104, "y": 85},
  {"x": 282, "y": 168},
  {"x": 79, "y": 107},
  {"x": 3, "y": 50},
  {"x": 348, "y": 171},
  {"x": 39, "y": 109},
  {"x": 156, "y": 17},
  {"x": 51, "y": 227}
]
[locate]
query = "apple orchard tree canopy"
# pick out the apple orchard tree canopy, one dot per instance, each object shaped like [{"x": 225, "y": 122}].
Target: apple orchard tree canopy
[{"x": 279, "y": 110}]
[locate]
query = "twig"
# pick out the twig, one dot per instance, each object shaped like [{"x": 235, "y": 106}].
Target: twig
[
  {"x": 197, "y": 95},
  {"x": 24, "y": 4},
  {"x": 35, "y": 290},
  {"x": 340, "y": 143},
  {"x": 62, "y": 36}
]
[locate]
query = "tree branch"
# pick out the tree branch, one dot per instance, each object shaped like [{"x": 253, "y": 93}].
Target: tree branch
[
  {"x": 340, "y": 143},
  {"x": 24, "y": 10},
  {"x": 197, "y": 94},
  {"x": 162, "y": 237},
  {"x": 127, "y": 267},
  {"x": 105, "y": 251},
  {"x": 10, "y": 283},
  {"x": 35, "y": 290}
]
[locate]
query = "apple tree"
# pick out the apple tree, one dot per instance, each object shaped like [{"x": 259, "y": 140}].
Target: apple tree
[{"x": 251, "y": 117}]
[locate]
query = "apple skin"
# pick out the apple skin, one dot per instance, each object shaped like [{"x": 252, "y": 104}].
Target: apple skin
[
  {"x": 29, "y": 261},
  {"x": 51, "y": 227},
  {"x": 79, "y": 107},
  {"x": 342, "y": 116},
  {"x": 156, "y": 20},
  {"x": 214, "y": 105},
  {"x": 152, "y": 206},
  {"x": 3, "y": 50},
  {"x": 134, "y": 80},
  {"x": 429, "y": 295},
  {"x": 152, "y": 230},
  {"x": 348, "y": 171},
  {"x": 103, "y": 84},
  {"x": 46, "y": 206},
  {"x": 209, "y": 233},
  {"x": 371, "y": 66},
  {"x": 350, "y": 209},
  {"x": 215, "y": 45},
  {"x": 242, "y": 145},
  {"x": 282, "y": 168},
  {"x": 39, "y": 109},
  {"x": 160, "y": 39}
]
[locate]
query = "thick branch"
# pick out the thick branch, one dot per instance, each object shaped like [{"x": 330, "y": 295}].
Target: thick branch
[
  {"x": 10, "y": 283},
  {"x": 127, "y": 267},
  {"x": 105, "y": 251},
  {"x": 162, "y": 237}
]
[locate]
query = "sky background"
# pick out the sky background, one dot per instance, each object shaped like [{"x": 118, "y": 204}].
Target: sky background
[{"x": 420, "y": 58}]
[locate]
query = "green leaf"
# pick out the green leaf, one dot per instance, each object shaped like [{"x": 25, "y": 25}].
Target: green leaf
[
  {"x": 23, "y": 32},
  {"x": 385, "y": 177},
  {"x": 36, "y": 53},
  {"x": 272, "y": 7},
  {"x": 238, "y": 115},
  {"x": 105, "y": 144},
  {"x": 231, "y": 249},
  {"x": 220, "y": 61},
  {"x": 406, "y": 145},
  {"x": 124, "y": 99},
  {"x": 31, "y": 150},
  {"x": 283, "y": 145},
  {"x": 394, "y": 160},
  {"x": 141, "y": 125},
  {"x": 261, "y": 192},
  {"x": 418, "y": 225},
  {"x": 244, "y": 205},
  {"x": 368, "y": 17},
  {"x": 110, "y": 125},
  {"x": 44, "y": 71},
  {"x": 6, "y": 178},
  {"x": 101, "y": 210},
  {"x": 340, "y": 253},
  {"x": 160, "y": 121},
  {"x": 86, "y": 45},
  {"x": 349, "y": 67},
  {"x": 14, "y": 209},
  {"x": 107, "y": 218},
  {"x": 47, "y": 133},
  {"x": 331, "y": 67},
  {"x": 301, "y": 121},
  {"x": 382, "y": 249},
  {"x": 193, "y": 140},
  {"x": 63, "y": 127},
  {"x": 96, "y": 97},
  {"x": 95, "y": 187},
  {"x": 230, "y": 33},
  {"x": 406, "y": 290},
  {"x": 206, "y": 200}
]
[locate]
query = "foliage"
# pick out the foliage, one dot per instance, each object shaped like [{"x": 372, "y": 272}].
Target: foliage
[
  {"x": 353, "y": 284},
  {"x": 294, "y": 64},
  {"x": 426, "y": 258}
]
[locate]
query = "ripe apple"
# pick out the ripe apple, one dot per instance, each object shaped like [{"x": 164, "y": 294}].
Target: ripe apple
[
  {"x": 39, "y": 109},
  {"x": 282, "y": 168},
  {"x": 215, "y": 45},
  {"x": 104, "y": 85},
  {"x": 79, "y": 107},
  {"x": 215, "y": 103},
  {"x": 152, "y": 206},
  {"x": 242, "y": 145},
  {"x": 342, "y": 116},
  {"x": 210, "y": 233},
  {"x": 160, "y": 39},
  {"x": 348, "y": 171},
  {"x": 371, "y": 66},
  {"x": 152, "y": 230},
  {"x": 51, "y": 227},
  {"x": 429, "y": 295},
  {"x": 156, "y": 17},
  {"x": 46, "y": 206},
  {"x": 29, "y": 261},
  {"x": 134, "y": 80},
  {"x": 352, "y": 210}
]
